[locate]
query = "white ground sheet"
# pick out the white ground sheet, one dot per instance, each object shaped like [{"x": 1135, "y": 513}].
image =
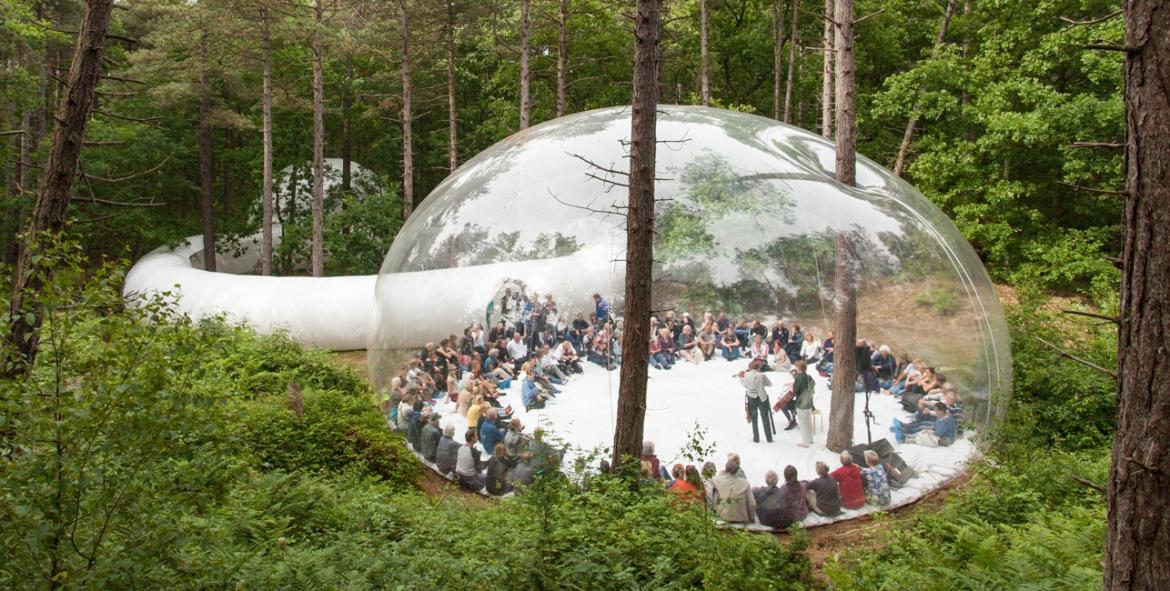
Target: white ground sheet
[{"x": 583, "y": 416}]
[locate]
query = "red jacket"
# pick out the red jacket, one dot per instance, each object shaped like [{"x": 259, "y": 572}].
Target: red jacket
[{"x": 849, "y": 479}]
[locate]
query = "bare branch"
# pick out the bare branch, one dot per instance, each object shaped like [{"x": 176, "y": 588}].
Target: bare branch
[
  {"x": 1078, "y": 187},
  {"x": 129, "y": 176},
  {"x": 1112, "y": 319},
  {"x": 1084, "y": 362},
  {"x": 1088, "y": 483},
  {"x": 1111, "y": 47},
  {"x": 103, "y": 143},
  {"x": 868, "y": 16},
  {"x": 128, "y": 117},
  {"x": 13, "y": 132},
  {"x": 1111, "y": 145},
  {"x": 99, "y": 201},
  {"x": 122, "y": 79},
  {"x": 1092, "y": 21}
]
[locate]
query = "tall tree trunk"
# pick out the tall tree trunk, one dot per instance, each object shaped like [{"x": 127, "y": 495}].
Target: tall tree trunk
[
  {"x": 562, "y": 55},
  {"x": 915, "y": 113},
  {"x": 827, "y": 72},
  {"x": 525, "y": 75},
  {"x": 56, "y": 183},
  {"x": 845, "y": 368},
  {"x": 266, "y": 183},
  {"x": 206, "y": 180},
  {"x": 704, "y": 57},
  {"x": 346, "y": 128},
  {"x": 777, "y": 55},
  {"x": 407, "y": 118},
  {"x": 317, "y": 259},
  {"x": 1137, "y": 550},
  {"x": 794, "y": 41},
  {"x": 631, "y": 414},
  {"x": 452, "y": 125}
]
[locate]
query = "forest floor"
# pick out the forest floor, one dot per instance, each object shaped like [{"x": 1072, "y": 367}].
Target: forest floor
[{"x": 826, "y": 541}]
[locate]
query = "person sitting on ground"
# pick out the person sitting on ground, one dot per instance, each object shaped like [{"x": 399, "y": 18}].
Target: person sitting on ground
[
  {"x": 468, "y": 465},
  {"x": 742, "y": 333},
  {"x": 922, "y": 420},
  {"x": 496, "y": 370},
  {"x": 848, "y": 478},
  {"x": 795, "y": 342},
  {"x": 568, "y": 357},
  {"x": 824, "y": 494},
  {"x": 499, "y": 331},
  {"x": 550, "y": 366},
  {"x": 794, "y": 505},
  {"x": 601, "y": 310},
  {"x": 666, "y": 346},
  {"x": 759, "y": 353},
  {"x": 827, "y": 347},
  {"x": 648, "y": 455},
  {"x": 659, "y": 358},
  {"x": 884, "y": 366},
  {"x": 677, "y": 473},
  {"x": 489, "y": 432},
  {"x": 447, "y": 452},
  {"x": 706, "y": 341},
  {"x": 531, "y": 394},
  {"x": 944, "y": 431},
  {"x": 877, "y": 481},
  {"x": 496, "y": 477},
  {"x": 475, "y": 411},
  {"x": 769, "y": 510},
  {"x": 600, "y": 353},
  {"x": 405, "y": 407},
  {"x": 577, "y": 331},
  {"x": 779, "y": 337},
  {"x": 810, "y": 349},
  {"x": 430, "y": 438},
  {"x": 687, "y": 345},
  {"x": 708, "y": 473},
  {"x": 515, "y": 442},
  {"x": 688, "y": 484},
  {"x": 417, "y": 420},
  {"x": 517, "y": 351},
  {"x": 734, "y": 502},
  {"x": 730, "y": 345},
  {"x": 908, "y": 375}
]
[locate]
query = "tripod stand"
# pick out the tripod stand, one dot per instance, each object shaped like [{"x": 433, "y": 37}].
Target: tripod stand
[{"x": 869, "y": 417}]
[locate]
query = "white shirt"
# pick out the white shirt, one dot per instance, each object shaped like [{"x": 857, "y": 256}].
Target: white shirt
[
  {"x": 550, "y": 360},
  {"x": 477, "y": 338},
  {"x": 517, "y": 349},
  {"x": 810, "y": 349},
  {"x": 465, "y": 462}
]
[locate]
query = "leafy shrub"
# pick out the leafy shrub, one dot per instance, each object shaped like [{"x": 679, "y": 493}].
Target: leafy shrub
[
  {"x": 942, "y": 300},
  {"x": 336, "y": 432}
]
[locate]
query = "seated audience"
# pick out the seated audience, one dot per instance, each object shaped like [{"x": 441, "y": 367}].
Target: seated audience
[
  {"x": 496, "y": 477},
  {"x": 706, "y": 341},
  {"x": 848, "y": 478},
  {"x": 648, "y": 455},
  {"x": 730, "y": 345},
  {"x": 468, "y": 465},
  {"x": 759, "y": 353},
  {"x": 430, "y": 438},
  {"x": 810, "y": 349},
  {"x": 944, "y": 430},
  {"x": 877, "y": 481},
  {"x": 793, "y": 504},
  {"x": 447, "y": 452},
  {"x": 769, "y": 509},
  {"x": 733, "y": 498},
  {"x": 687, "y": 345},
  {"x": 490, "y": 433},
  {"x": 884, "y": 367},
  {"x": 531, "y": 394},
  {"x": 824, "y": 494}
]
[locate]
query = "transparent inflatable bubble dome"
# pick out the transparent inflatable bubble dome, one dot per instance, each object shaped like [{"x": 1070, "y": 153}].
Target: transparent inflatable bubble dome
[{"x": 748, "y": 221}]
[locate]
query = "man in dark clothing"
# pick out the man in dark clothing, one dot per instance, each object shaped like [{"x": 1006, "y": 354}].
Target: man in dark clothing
[
  {"x": 824, "y": 496},
  {"x": 447, "y": 452},
  {"x": 863, "y": 355},
  {"x": 768, "y": 509},
  {"x": 431, "y": 434}
]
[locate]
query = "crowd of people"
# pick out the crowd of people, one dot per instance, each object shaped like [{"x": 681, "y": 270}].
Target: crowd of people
[{"x": 532, "y": 346}]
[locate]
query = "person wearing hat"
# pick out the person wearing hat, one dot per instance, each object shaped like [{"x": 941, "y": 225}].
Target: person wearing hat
[{"x": 754, "y": 384}]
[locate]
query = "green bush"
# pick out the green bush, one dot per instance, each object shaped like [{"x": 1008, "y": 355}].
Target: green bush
[
  {"x": 943, "y": 301},
  {"x": 336, "y": 432}
]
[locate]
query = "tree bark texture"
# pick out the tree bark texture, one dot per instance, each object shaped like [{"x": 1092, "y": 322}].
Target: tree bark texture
[
  {"x": 704, "y": 57},
  {"x": 916, "y": 111},
  {"x": 562, "y": 56},
  {"x": 407, "y": 118},
  {"x": 793, "y": 41},
  {"x": 1137, "y": 550},
  {"x": 840, "y": 434},
  {"x": 452, "y": 119},
  {"x": 525, "y": 75},
  {"x": 827, "y": 72},
  {"x": 206, "y": 180},
  {"x": 266, "y": 182},
  {"x": 777, "y": 55},
  {"x": 846, "y": 99},
  {"x": 57, "y": 180},
  {"x": 631, "y": 412},
  {"x": 317, "y": 258}
]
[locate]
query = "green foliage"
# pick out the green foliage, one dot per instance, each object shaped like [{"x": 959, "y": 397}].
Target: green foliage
[
  {"x": 942, "y": 300},
  {"x": 336, "y": 432}
]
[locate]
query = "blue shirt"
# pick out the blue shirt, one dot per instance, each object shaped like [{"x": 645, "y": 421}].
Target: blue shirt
[
  {"x": 528, "y": 392},
  {"x": 602, "y": 310},
  {"x": 945, "y": 428},
  {"x": 490, "y": 435}
]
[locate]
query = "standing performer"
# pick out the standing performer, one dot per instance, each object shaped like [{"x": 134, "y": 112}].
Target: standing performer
[
  {"x": 754, "y": 383},
  {"x": 804, "y": 387}
]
